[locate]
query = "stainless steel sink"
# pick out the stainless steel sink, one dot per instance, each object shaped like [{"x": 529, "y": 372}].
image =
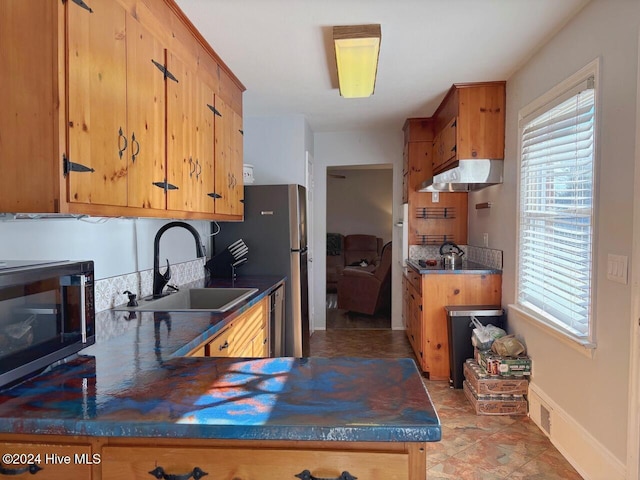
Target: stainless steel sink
[{"x": 195, "y": 299}]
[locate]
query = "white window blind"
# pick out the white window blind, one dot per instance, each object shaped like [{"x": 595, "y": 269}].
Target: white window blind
[{"x": 556, "y": 211}]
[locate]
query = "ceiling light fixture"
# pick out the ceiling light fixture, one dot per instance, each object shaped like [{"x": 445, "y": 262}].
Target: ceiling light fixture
[{"x": 357, "y": 48}]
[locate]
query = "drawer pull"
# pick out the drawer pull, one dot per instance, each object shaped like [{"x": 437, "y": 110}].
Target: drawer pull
[
  {"x": 32, "y": 468},
  {"x": 306, "y": 475},
  {"x": 196, "y": 474}
]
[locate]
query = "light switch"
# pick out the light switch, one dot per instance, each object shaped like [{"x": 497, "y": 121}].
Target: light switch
[
  {"x": 435, "y": 197},
  {"x": 617, "y": 267}
]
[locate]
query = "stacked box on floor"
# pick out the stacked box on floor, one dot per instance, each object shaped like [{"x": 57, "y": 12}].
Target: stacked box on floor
[
  {"x": 493, "y": 394},
  {"x": 495, "y": 364}
]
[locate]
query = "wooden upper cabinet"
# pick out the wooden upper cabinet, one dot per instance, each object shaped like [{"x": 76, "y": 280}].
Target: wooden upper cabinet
[
  {"x": 417, "y": 153},
  {"x": 470, "y": 124},
  {"x": 30, "y": 119},
  {"x": 98, "y": 138},
  {"x": 146, "y": 109},
  {"x": 95, "y": 124},
  {"x": 228, "y": 159}
]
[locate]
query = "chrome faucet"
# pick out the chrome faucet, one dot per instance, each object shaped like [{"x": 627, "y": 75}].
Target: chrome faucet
[{"x": 161, "y": 279}]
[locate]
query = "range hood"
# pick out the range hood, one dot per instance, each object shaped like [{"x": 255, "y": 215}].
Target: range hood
[{"x": 465, "y": 176}]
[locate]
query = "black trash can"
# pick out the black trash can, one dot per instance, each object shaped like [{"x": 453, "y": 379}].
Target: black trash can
[{"x": 460, "y": 328}]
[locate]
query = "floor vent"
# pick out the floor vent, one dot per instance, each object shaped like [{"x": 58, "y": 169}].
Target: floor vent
[{"x": 545, "y": 419}]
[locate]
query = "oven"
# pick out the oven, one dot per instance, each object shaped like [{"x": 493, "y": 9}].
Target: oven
[{"x": 47, "y": 313}]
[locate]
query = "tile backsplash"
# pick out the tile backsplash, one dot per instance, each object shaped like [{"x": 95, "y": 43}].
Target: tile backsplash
[
  {"x": 484, "y": 256},
  {"x": 108, "y": 291}
]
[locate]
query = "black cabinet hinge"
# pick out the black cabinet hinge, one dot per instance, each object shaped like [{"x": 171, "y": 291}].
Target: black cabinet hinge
[
  {"x": 241, "y": 132},
  {"x": 68, "y": 166},
  {"x": 214, "y": 195},
  {"x": 80, "y": 3},
  {"x": 165, "y": 72},
  {"x": 214, "y": 110},
  {"x": 165, "y": 186}
]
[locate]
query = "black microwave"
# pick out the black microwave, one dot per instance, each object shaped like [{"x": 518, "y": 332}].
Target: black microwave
[{"x": 47, "y": 313}]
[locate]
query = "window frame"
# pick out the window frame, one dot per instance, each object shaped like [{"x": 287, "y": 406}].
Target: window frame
[{"x": 552, "y": 98}]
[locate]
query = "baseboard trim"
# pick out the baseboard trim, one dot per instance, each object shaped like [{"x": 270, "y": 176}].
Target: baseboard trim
[{"x": 585, "y": 453}]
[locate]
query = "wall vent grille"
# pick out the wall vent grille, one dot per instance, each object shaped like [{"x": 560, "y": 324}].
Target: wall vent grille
[{"x": 545, "y": 419}]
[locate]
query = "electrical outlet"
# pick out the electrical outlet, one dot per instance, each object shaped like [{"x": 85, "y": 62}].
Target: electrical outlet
[
  {"x": 435, "y": 197},
  {"x": 485, "y": 240}
]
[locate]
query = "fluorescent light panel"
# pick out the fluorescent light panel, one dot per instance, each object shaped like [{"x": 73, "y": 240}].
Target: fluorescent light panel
[{"x": 357, "y": 48}]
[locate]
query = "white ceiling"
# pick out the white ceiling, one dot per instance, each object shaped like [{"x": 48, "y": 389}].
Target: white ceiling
[{"x": 281, "y": 51}]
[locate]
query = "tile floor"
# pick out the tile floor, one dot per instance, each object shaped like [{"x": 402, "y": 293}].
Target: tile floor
[{"x": 473, "y": 447}]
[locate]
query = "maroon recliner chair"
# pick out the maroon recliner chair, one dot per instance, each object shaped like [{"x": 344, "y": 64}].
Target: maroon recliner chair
[{"x": 366, "y": 292}]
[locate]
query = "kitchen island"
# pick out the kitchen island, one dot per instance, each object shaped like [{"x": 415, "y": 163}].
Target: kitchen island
[{"x": 135, "y": 404}]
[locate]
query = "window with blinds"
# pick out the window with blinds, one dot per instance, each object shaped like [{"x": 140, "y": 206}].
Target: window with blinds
[{"x": 556, "y": 211}]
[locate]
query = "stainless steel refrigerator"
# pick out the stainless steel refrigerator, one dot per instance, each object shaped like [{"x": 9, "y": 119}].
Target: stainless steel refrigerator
[{"x": 275, "y": 231}]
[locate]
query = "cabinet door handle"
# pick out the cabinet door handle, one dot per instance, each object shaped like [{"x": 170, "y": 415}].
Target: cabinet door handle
[
  {"x": 199, "y": 169},
  {"x": 224, "y": 346},
  {"x": 196, "y": 474},
  {"x": 192, "y": 167},
  {"x": 136, "y": 145},
  {"x": 306, "y": 475},
  {"x": 121, "y": 136}
]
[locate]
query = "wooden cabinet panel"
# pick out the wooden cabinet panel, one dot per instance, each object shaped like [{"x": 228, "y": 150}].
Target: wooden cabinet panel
[
  {"x": 190, "y": 142},
  {"x": 246, "y": 336},
  {"x": 29, "y": 149},
  {"x": 248, "y": 464},
  {"x": 415, "y": 330},
  {"x": 228, "y": 159},
  {"x": 51, "y": 458},
  {"x": 456, "y": 289},
  {"x": 237, "y": 164},
  {"x": 247, "y": 328},
  {"x": 146, "y": 109},
  {"x": 448, "y": 142},
  {"x": 420, "y": 154},
  {"x": 179, "y": 132},
  {"x": 481, "y": 121},
  {"x": 97, "y": 103},
  {"x": 470, "y": 124}
]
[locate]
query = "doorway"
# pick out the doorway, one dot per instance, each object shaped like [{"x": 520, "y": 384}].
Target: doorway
[{"x": 359, "y": 227}]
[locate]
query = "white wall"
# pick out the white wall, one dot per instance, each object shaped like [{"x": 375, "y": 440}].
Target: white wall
[
  {"x": 591, "y": 392},
  {"x": 361, "y": 202},
  {"x": 356, "y": 148},
  {"x": 275, "y": 146},
  {"x": 117, "y": 246}
]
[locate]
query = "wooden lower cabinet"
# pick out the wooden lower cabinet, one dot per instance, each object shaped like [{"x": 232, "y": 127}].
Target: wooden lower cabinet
[
  {"x": 104, "y": 458},
  {"x": 124, "y": 463},
  {"x": 246, "y": 336},
  {"x": 52, "y": 461},
  {"x": 427, "y": 327}
]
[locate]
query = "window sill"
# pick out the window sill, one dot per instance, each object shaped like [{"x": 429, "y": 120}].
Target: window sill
[{"x": 584, "y": 347}]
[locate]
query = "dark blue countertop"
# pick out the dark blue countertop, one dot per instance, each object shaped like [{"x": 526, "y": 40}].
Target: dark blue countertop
[
  {"x": 139, "y": 384},
  {"x": 464, "y": 267}
]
